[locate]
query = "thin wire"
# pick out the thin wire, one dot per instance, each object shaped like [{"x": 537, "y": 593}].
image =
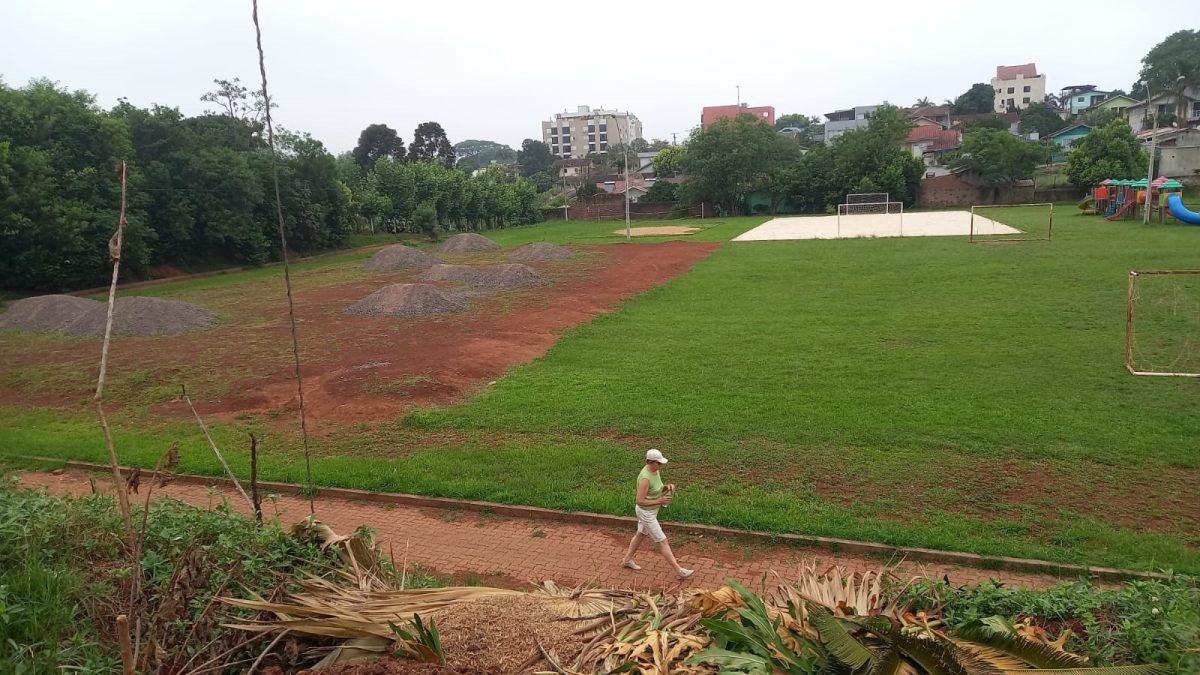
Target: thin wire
[{"x": 287, "y": 275}]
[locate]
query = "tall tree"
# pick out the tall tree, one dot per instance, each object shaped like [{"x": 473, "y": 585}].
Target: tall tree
[
  {"x": 923, "y": 102},
  {"x": 375, "y": 142},
  {"x": 1110, "y": 152},
  {"x": 980, "y": 98},
  {"x": 657, "y": 144},
  {"x": 430, "y": 143},
  {"x": 639, "y": 145},
  {"x": 732, "y": 157},
  {"x": 999, "y": 158},
  {"x": 668, "y": 161},
  {"x": 236, "y": 101},
  {"x": 1040, "y": 118},
  {"x": 534, "y": 156},
  {"x": 477, "y": 154},
  {"x": 1173, "y": 65}
]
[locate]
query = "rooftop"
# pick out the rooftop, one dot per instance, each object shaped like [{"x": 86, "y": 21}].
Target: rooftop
[{"x": 1011, "y": 72}]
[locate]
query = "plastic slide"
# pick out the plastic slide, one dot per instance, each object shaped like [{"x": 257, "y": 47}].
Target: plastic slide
[
  {"x": 1181, "y": 212},
  {"x": 1087, "y": 205},
  {"x": 1126, "y": 208}
]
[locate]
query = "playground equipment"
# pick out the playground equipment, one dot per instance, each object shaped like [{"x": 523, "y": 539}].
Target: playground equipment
[
  {"x": 1181, "y": 212},
  {"x": 1087, "y": 205},
  {"x": 1117, "y": 198}
]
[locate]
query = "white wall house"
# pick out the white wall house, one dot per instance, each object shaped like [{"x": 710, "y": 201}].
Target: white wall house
[{"x": 1018, "y": 87}]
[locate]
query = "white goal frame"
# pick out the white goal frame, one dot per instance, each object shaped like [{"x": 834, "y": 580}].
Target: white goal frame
[
  {"x": 887, "y": 209},
  {"x": 999, "y": 239},
  {"x": 867, "y": 198},
  {"x": 1129, "y": 321}
]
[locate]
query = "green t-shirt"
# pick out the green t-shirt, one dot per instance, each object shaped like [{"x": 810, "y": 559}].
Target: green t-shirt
[{"x": 656, "y": 484}]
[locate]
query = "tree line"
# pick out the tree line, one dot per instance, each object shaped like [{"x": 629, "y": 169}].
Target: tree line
[{"x": 200, "y": 190}]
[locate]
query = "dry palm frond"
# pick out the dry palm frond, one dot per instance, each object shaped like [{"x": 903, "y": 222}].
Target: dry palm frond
[
  {"x": 583, "y": 602},
  {"x": 360, "y": 554},
  {"x": 657, "y": 634}
]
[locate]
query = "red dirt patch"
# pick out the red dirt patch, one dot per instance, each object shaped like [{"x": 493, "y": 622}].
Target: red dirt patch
[{"x": 381, "y": 367}]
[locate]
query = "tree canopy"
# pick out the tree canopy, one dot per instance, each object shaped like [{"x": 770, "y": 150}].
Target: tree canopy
[
  {"x": 999, "y": 158},
  {"x": 376, "y": 141},
  {"x": 980, "y": 98},
  {"x": 662, "y": 191},
  {"x": 1178, "y": 55},
  {"x": 668, "y": 161},
  {"x": 1109, "y": 152},
  {"x": 1040, "y": 118},
  {"x": 533, "y": 157},
  {"x": 731, "y": 157},
  {"x": 430, "y": 143},
  {"x": 477, "y": 154}
]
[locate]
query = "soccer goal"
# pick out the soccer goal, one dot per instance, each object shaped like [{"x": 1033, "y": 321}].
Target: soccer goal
[
  {"x": 869, "y": 214},
  {"x": 1162, "y": 323},
  {"x": 1036, "y": 225}
]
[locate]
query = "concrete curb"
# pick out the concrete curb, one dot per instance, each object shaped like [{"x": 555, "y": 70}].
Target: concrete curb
[{"x": 831, "y": 544}]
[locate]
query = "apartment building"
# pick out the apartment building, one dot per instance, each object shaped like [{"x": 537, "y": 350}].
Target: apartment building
[
  {"x": 712, "y": 113},
  {"x": 841, "y": 121},
  {"x": 575, "y": 135},
  {"x": 1018, "y": 86}
]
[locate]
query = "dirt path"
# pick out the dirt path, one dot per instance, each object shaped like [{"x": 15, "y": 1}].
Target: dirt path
[{"x": 501, "y": 551}]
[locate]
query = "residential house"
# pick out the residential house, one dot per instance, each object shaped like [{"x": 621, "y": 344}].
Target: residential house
[
  {"x": 646, "y": 163},
  {"x": 575, "y": 135},
  {"x": 931, "y": 142},
  {"x": 615, "y": 184},
  {"x": 1184, "y": 108},
  {"x": 1018, "y": 86},
  {"x": 1076, "y": 98},
  {"x": 939, "y": 114},
  {"x": 1067, "y": 138},
  {"x": 841, "y": 121},
  {"x": 1177, "y": 151},
  {"x": 572, "y": 168},
  {"x": 712, "y": 113},
  {"x": 1117, "y": 103}
]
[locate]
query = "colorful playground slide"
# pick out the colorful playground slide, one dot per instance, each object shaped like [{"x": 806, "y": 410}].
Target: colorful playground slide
[
  {"x": 1087, "y": 205},
  {"x": 1181, "y": 212},
  {"x": 1118, "y": 211}
]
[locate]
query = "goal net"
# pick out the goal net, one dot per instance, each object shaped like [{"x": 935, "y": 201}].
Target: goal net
[
  {"x": 992, "y": 223},
  {"x": 867, "y": 198},
  {"x": 870, "y": 219},
  {"x": 1162, "y": 324}
]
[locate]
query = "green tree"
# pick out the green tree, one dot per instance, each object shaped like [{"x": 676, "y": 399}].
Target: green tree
[
  {"x": 426, "y": 218},
  {"x": 534, "y": 156},
  {"x": 236, "y": 101},
  {"x": 1040, "y": 118},
  {"x": 477, "y": 154},
  {"x": 1173, "y": 65},
  {"x": 1110, "y": 152},
  {"x": 731, "y": 158},
  {"x": 999, "y": 158},
  {"x": 639, "y": 145},
  {"x": 989, "y": 122},
  {"x": 980, "y": 98},
  {"x": 376, "y": 141},
  {"x": 430, "y": 143},
  {"x": 657, "y": 145},
  {"x": 542, "y": 181},
  {"x": 587, "y": 190},
  {"x": 1099, "y": 117},
  {"x": 662, "y": 191},
  {"x": 668, "y": 161}
]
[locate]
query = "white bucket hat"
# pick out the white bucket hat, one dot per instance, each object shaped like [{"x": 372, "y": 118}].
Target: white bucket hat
[{"x": 653, "y": 455}]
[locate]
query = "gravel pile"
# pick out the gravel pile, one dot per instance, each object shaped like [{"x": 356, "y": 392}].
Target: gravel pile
[
  {"x": 132, "y": 316},
  {"x": 491, "y": 277},
  {"x": 468, "y": 242},
  {"x": 406, "y": 300},
  {"x": 399, "y": 256},
  {"x": 540, "y": 251}
]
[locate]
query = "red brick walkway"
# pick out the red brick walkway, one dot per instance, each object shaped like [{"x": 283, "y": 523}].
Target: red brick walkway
[{"x": 504, "y": 551}]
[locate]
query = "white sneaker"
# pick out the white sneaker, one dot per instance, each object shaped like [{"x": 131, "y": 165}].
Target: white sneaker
[
  {"x": 631, "y": 565},
  {"x": 685, "y": 573}
]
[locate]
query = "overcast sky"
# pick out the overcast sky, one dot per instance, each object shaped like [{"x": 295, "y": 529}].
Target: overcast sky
[{"x": 494, "y": 69}]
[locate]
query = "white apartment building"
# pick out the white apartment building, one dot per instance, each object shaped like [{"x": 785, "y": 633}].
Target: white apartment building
[
  {"x": 575, "y": 135},
  {"x": 1018, "y": 86}
]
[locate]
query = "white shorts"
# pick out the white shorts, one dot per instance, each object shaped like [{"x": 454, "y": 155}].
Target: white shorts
[{"x": 648, "y": 524}]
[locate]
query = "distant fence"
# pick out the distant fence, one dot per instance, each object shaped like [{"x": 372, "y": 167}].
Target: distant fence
[{"x": 612, "y": 207}]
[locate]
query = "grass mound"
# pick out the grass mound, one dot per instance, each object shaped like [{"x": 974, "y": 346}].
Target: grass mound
[
  {"x": 132, "y": 316},
  {"x": 399, "y": 256},
  {"x": 468, "y": 242},
  {"x": 540, "y": 251},
  {"x": 406, "y": 300}
]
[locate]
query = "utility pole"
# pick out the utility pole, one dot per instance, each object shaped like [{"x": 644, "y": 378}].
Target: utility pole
[
  {"x": 1153, "y": 144},
  {"x": 739, "y": 98},
  {"x": 673, "y": 138}
]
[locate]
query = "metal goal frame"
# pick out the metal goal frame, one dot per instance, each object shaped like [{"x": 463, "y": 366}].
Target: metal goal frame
[
  {"x": 993, "y": 239},
  {"x": 1129, "y": 321},
  {"x": 843, "y": 209}
]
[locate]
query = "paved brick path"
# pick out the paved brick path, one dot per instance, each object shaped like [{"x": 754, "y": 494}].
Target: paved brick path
[{"x": 510, "y": 551}]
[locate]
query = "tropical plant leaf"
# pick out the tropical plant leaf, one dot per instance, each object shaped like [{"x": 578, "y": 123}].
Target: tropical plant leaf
[
  {"x": 892, "y": 663},
  {"x": 837, "y": 640},
  {"x": 733, "y": 662},
  {"x": 1147, "y": 669},
  {"x": 937, "y": 656},
  {"x": 1035, "y": 654}
]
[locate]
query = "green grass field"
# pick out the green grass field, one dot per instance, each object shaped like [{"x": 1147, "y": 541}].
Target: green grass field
[{"x": 919, "y": 391}]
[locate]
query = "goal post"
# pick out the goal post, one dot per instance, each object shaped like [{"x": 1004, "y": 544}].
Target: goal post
[
  {"x": 1162, "y": 323},
  {"x": 867, "y": 198},
  {"x": 984, "y": 229},
  {"x": 869, "y": 213}
]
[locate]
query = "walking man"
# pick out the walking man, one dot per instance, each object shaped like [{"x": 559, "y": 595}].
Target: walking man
[{"x": 651, "y": 494}]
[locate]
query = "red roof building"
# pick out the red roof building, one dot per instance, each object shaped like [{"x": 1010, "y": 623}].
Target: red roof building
[
  {"x": 713, "y": 113},
  {"x": 1028, "y": 70}
]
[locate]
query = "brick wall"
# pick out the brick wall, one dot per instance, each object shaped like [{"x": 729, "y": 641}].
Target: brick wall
[
  {"x": 951, "y": 191},
  {"x": 612, "y": 207}
]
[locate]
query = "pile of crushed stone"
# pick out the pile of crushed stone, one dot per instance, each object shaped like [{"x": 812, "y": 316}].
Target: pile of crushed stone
[
  {"x": 491, "y": 277},
  {"x": 132, "y": 316},
  {"x": 406, "y": 300},
  {"x": 540, "y": 251},
  {"x": 399, "y": 256},
  {"x": 468, "y": 242}
]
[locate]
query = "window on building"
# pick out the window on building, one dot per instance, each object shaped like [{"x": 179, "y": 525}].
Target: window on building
[
  {"x": 603, "y": 128},
  {"x": 591, "y": 147},
  {"x": 603, "y": 146},
  {"x": 566, "y": 148},
  {"x": 603, "y": 137},
  {"x": 1025, "y": 100},
  {"x": 1011, "y": 103},
  {"x": 1010, "y": 90},
  {"x": 1162, "y": 108},
  {"x": 1026, "y": 89},
  {"x": 591, "y": 128},
  {"x": 999, "y": 90},
  {"x": 1195, "y": 109},
  {"x": 1080, "y": 99}
]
